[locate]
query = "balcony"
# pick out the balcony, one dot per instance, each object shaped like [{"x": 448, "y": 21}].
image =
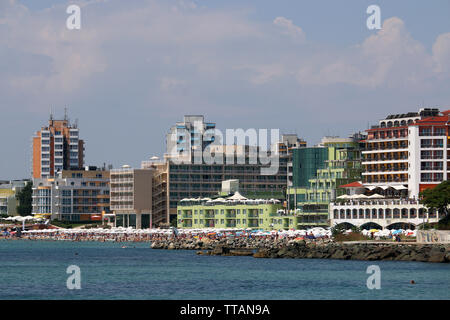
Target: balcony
[
  {"x": 433, "y": 168},
  {"x": 425, "y": 146}
]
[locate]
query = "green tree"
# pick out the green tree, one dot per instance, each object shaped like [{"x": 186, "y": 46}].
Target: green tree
[
  {"x": 437, "y": 198},
  {"x": 24, "y": 198}
]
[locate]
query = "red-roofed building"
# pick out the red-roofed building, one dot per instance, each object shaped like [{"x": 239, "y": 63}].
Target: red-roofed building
[
  {"x": 403, "y": 155},
  {"x": 408, "y": 150},
  {"x": 429, "y": 152}
]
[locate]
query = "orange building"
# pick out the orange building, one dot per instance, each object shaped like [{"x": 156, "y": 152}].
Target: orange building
[{"x": 57, "y": 147}]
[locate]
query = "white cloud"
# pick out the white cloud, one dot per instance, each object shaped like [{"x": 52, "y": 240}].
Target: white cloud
[
  {"x": 389, "y": 58},
  {"x": 441, "y": 53},
  {"x": 289, "y": 28}
]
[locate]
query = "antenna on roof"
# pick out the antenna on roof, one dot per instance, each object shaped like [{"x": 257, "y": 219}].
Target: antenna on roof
[
  {"x": 51, "y": 114},
  {"x": 65, "y": 113}
]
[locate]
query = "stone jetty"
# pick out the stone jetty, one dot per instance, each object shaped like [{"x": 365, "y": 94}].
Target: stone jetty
[{"x": 322, "y": 249}]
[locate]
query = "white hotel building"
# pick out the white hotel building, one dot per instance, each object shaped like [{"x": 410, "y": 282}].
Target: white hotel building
[{"x": 404, "y": 155}]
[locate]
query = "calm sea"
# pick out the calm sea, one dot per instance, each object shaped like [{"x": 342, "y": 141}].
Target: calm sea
[{"x": 37, "y": 270}]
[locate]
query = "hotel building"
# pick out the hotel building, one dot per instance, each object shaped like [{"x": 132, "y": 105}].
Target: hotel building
[
  {"x": 230, "y": 210},
  {"x": 57, "y": 147},
  {"x": 429, "y": 152},
  {"x": 404, "y": 154},
  {"x": 131, "y": 197},
  {"x": 73, "y": 195}
]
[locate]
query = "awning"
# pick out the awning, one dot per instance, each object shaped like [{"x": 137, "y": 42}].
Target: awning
[
  {"x": 399, "y": 187},
  {"x": 237, "y": 196}
]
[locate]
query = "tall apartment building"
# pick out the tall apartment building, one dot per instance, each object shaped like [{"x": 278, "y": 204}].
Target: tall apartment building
[
  {"x": 287, "y": 145},
  {"x": 407, "y": 151},
  {"x": 429, "y": 150},
  {"x": 186, "y": 136},
  {"x": 57, "y": 147},
  {"x": 73, "y": 195},
  {"x": 131, "y": 197},
  {"x": 160, "y": 194}
]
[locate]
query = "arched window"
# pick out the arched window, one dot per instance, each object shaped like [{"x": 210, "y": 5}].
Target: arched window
[{"x": 374, "y": 214}]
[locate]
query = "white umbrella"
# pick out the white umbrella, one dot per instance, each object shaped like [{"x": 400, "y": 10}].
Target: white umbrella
[{"x": 237, "y": 196}]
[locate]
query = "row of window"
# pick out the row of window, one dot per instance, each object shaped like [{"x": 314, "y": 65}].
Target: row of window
[
  {"x": 222, "y": 211},
  {"x": 222, "y": 221}
]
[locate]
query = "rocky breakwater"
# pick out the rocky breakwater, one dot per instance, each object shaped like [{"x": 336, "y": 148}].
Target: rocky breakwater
[
  {"x": 206, "y": 246},
  {"x": 323, "y": 249},
  {"x": 360, "y": 251}
]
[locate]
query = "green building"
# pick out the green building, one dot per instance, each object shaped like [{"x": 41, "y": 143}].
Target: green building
[
  {"x": 220, "y": 214},
  {"x": 337, "y": 162},
  {"x": 305, "y": 163}
]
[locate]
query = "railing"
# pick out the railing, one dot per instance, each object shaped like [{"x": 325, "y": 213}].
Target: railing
[
  {"x": 429, "y": 134},
  {"x": 431, "y": 179},
  {"x": 375, "y": 202},
  {"x": 441, "y": 157},
  {"x": 384, "y": 159},
  {"x": 432, "y": 146},
  {"x": 432, "y": 168}
]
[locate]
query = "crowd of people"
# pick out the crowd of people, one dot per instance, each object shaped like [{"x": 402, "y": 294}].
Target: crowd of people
[{"x": 133, "y": 235}]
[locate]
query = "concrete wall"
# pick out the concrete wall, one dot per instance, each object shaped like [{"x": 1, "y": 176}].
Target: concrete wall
[{"x": 433, "y": 236}]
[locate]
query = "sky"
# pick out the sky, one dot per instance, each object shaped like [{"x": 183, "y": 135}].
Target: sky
[{"x": 136, "y": 67}]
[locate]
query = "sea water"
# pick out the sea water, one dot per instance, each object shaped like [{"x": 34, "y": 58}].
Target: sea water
[{"x": 108, "y": 270}]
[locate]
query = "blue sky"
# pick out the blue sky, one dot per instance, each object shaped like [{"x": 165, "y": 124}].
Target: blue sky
[{"x": 136, "y": 67}]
